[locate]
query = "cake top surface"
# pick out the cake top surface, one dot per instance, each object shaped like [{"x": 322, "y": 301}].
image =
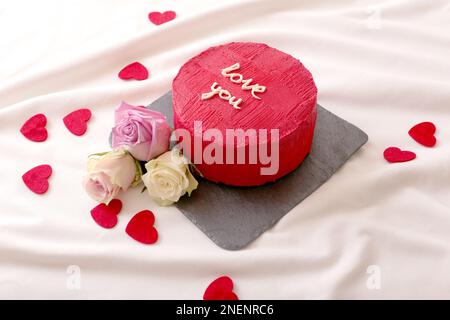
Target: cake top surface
[{"x": 243, "y": 85}]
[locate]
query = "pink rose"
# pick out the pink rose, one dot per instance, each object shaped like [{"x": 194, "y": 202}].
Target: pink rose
[
  {"x": 144, "y": 133},
  {"x": 108, "y": 174}
]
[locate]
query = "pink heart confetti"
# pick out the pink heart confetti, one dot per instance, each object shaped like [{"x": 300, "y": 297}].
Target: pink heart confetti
[
  {"x": 76, "y": 121},
  {"x": 135, "y": 71},
  {"x": 159, "y": 18}
]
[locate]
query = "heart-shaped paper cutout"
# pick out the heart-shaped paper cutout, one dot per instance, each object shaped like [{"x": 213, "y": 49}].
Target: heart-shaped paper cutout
[
  {"x": 105, "y": 215},
  {"x": 393, "y": 154},
  {"x": 160, "y": 18},
  {"x": 141, "y": 228},
  {"x": 423, "y": 133},
  {"x": 135, "y": 71},
  {"x": 220, "y": 289},
  {"x": 76, "y": 121},
  {"x": 36, "y": 179},
  {"x": 34, "y": 128}
]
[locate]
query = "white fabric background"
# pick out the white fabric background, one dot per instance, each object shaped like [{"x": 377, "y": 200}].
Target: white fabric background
[{"x": 382, "y": 65}]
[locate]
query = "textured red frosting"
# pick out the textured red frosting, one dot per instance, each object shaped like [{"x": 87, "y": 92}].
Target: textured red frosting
[{"x": 288, "y": 104}]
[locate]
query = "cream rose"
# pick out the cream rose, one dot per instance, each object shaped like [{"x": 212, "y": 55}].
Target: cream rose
[
  {"x": 168, "y": 178},
  {"x": 108, "y": 174}
]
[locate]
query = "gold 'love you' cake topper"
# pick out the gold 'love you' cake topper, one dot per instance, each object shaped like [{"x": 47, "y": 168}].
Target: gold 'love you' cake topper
[{"x": 235, "y": 78}]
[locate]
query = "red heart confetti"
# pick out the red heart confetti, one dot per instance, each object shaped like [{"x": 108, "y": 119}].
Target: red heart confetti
[
  {"x": 393, "y": 154},
  {"x": 160, "y": 18},
  {"x": 36, "y": 179},
  {"x": 423, "y": 133},
  {"x": 141, "y": 228},
  {"x": 220, "y": 289},
  {"x": 34, "y": 128},
  {"x": 76, "y": 121},
  {"x": 135, "y": 71},
  {"x": 105, "y": 215}
]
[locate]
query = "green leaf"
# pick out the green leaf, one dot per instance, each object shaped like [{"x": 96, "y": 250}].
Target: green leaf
[
  {"x": 100, "y": 154},
  {"x": 193, "y": 169},
  {"x": 138, "y": 177}
]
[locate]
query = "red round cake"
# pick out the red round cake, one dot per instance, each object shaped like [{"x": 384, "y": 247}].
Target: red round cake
[{"x": 245, "y": 113}]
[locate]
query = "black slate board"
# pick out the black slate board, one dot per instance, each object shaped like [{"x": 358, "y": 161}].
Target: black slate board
[{"x": 233, "y": 217}]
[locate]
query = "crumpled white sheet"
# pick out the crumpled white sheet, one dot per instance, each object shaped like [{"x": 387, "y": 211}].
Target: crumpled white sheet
[{"x": 382, "y": 65}]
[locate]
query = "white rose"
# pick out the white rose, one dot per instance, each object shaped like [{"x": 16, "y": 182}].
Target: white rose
[
  {"x": 168, "y": 178},
  {"x": 108, "y": 174}
]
